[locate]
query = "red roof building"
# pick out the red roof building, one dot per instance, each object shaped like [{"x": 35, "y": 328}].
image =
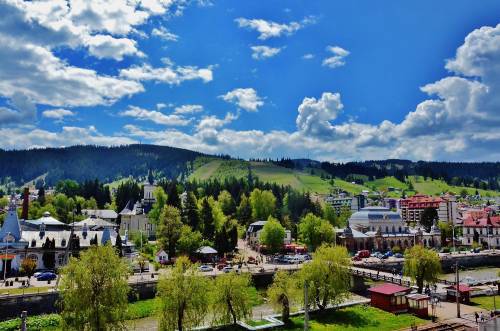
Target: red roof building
[
  {"x": 389, "y": 297},
  {"x": 413, "y": 207},
  {"x": 463, "y": 290},
  {"x": 484, "y": 230}
]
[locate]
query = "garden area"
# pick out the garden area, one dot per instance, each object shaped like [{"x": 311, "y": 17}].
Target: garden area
[
  {"x": 486, "y": 302},
  {"x": 355, "y": 318}
]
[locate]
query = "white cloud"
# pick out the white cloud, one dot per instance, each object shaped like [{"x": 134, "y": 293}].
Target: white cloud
[
  {"x": 337, "y": 60},
  {"x": 245, "y": 98},
  {"x": 164, "y": 34},
  {"x": 308, "y": 56},
  {"x": 105, "y": 46},
  {"x": 270, "y": 29},
  {"x": 188, "y": 109},
  {"x": 315, "y": 115},
  {"x": 264, "y": 52},
  {"x": 23, "y": 111},
  {"x": 57, "y": 114},
  {"x": 170, "y": 74},
  {"x": 16, "y": 138},
  {"x": 155, "y": 116}
]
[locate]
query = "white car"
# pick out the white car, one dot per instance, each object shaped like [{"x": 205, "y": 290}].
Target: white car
[
  {"x": 227, "y": 269},
  {"x": 205, "y": 268}
]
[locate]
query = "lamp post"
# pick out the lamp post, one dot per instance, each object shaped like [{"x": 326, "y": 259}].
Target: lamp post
[
  {"x": 5, "y": 259},
  {"x": 494, "y": 300}
]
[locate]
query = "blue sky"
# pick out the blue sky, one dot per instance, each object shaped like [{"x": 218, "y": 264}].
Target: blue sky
[{"x": 329, "y": 80}]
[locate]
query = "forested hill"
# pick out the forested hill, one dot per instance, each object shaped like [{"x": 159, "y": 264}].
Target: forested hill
[
  {"x": 89, "y": 162},
  {"x": 472, "y": 174}
]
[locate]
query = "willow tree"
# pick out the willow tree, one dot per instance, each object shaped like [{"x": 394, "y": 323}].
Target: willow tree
[
  {"x": 94, "y": 290},
  {"x": 272, "y": 235},
  {"x": 183, "y": 294},
  {"x": 422, "y": 265},
  {"x": 328, "y": 276},
  {"x": 284, "y": 292},
  {"x": 230, "y": 298},
  {"x": 315, "y": 231}
]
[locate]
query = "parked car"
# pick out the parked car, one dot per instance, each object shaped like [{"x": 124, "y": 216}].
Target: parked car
[
  {"x": 356, "y": 258},
  {"x": 363, "y": 254},
  {"x": 227, "y": 269},
  {"x": 398, "y": 255},
  {"x": 46, "y": 276},
  {"x": 41, "y": 271},
  {"x": 374, "y": 254},
  {"x": 221, "y": 266},
  {"x": 205, "y": 268}
]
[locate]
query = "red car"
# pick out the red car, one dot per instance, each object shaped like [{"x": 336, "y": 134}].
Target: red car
[{"x": 363, "y": 254}]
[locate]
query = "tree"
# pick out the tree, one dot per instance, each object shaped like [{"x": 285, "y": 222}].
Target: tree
[
  {"x": 284, "y": 292},
  {"x": 231, "y": 298},
  {"x": 161, "y": 201},
  {"x": 28, "y": 267},
  {"x": 330, "y": 215},
  {"x": 315, "y": 231},
  {"x": 41, "y": 196},
  {"x": 183, "y": 295},
  {"x": 429, "y": 216},
  {"x": 189, "y": 241},
  {"x": 272, "y": 235},
  {"x": 263, "y": 204},
  {"x": 207, "y": 219},
  {"x": 328, "y": 275},
  {"x": 94, "y": 294},
  {"x": 244, "y": 211},
  {"x": 169, "y": 229},
  {"x": 119, "y": 245},
  {"x": 49, "y": 255},
  {"x": 226, "y": 203},
  {"x": 345, "y": 214},
  {"x": 422, "y": 265},
  {"x": 190, "y": 213}
]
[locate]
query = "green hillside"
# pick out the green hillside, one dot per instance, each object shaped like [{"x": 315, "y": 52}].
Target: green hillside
[
  {"x": 310, "y": 179},
  {"x": 268, "y": 172}
]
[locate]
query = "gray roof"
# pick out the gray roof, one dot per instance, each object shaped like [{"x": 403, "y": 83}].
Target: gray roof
[
  {"x": 46, "y": 219},
  {"x": 11, "y": 225},
  {"x": 94, "y": 222},
  {"x": 206, "y": 250},
  {"x": 101, "y": 213},
  {"x": 374, "y": 214}
]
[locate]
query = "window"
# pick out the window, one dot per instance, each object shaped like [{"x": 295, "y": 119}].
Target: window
[
  {"x": 63, "y": 243},
  {"x": 33, "y": 243},
  {"x": 60, "y": 259}
]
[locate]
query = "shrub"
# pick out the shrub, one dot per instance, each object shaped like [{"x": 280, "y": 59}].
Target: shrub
[{"x": 41, "y": 322}]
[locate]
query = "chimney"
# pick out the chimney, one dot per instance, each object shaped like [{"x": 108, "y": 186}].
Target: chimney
[{"x": 26, "y": 201}]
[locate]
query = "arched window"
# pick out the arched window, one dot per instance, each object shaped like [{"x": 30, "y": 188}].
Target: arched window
[
  {"x": 399, "y": 229},
  {"x": 63, "y": 243},
  {"x": 393, "y": 229},
  {"x": 387, "y": 229},
  {"x": 33, "y": 243}
]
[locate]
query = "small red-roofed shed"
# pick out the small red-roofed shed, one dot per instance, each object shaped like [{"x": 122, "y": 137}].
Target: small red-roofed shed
[
  {"x": 463, "y": 290},
  {"x": 390, "y": 297}
]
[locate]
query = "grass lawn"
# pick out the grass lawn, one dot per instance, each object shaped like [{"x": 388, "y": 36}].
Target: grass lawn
[
  {"x": 257, "y": 322},
  {"x": 29, "y": 290},
  {"x": 486, "y": 302},
  {"x": 356, "y": 318}
]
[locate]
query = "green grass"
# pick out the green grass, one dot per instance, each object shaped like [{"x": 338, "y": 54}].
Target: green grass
[
  {"x": 256, "y": 296},
  {"x": 355, "y": 318},
  {"x": 29, "y": 290},
  {"x": 141, "y": 309},
  {"x": 486, "y": 302},
  {"x": 210, "y": 168},
  {"x": 256, "y": 322}
]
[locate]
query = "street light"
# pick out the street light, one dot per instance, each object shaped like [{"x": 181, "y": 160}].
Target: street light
[
  {"x": 494, "y": 300},
  {"x": 5, "y": 260}
]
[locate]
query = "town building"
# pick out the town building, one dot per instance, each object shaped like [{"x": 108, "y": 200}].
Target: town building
[
  {"x": 379, "y": 228},
  {"x": 413, "y": 207},
  {"x": 484, "y": 230},
  {"x": 104, "y": 214},
  {"x": 20, "y": 239},
  {"x": 134, "y": 218},
  {"x": 254, "y": 231},
  {"x": 343, "y": 201}
]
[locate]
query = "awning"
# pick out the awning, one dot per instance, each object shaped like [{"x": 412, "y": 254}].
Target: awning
[
  {"x": 7, "y": 257},
  {"x": 206, "y": 250}
]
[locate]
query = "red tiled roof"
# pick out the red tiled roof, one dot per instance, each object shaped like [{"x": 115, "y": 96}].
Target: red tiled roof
[
  {"x": 388, "y": 289},
  {"x": 461, "y": 288},
  {"x": 493, "y": 221}
]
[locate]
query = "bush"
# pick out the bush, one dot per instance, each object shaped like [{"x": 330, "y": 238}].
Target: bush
[
  {"x": 41, "y": 322},
  {"x": 397, "y": 249}
]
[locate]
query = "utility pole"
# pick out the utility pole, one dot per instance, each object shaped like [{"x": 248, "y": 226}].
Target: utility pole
[
  {"x": 457, "y": 293},
  {"x": 306, "y": 307},
  {"x": 24, "y": 316}
]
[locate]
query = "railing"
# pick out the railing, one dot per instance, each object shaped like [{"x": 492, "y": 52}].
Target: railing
[{"x": 378, "y": 276}]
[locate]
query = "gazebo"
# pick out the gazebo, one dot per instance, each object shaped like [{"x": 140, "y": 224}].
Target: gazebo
[{"x": 206, "y": 253}]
